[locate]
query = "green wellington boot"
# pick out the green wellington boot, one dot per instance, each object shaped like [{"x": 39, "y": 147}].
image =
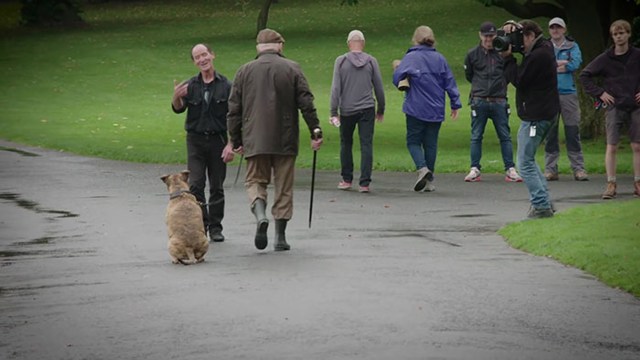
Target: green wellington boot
[
  {"x": 281, "y": 240},
  {"x": 259, "y": 210}
]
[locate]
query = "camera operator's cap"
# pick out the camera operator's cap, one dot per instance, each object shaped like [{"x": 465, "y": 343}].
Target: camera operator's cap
[
  {"x": 488, "y": 28},
  {"x": 355, "y": 35},
  {"x": 557, "y": 21},
  {"x": 268, "y": 36}
]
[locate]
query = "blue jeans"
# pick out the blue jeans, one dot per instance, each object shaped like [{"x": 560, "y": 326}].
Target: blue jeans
[
  {"x": 529, "y": 169},
  {"x": 365, "y": 120},
  {"x": 482, "y": 110},
  {"x": 422, "y": 142}
]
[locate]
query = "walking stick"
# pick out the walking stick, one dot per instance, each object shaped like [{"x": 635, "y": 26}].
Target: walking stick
[
  {"x": 316, "y": 133},
  {"x": 238, "y": 173}
]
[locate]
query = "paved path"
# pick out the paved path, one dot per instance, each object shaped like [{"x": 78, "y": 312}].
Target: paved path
[{"x": 85, "y": 274}]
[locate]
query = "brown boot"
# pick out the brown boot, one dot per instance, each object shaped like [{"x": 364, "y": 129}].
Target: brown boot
[
  {"x": 610, "y": 193},
  {"x": 636, "y": 188}
]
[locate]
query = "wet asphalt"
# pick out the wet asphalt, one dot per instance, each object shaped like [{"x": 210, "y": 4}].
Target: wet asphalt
[{"x": 393, "y": 274}]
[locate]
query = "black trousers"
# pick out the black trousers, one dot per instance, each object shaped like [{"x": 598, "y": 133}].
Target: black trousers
[{"x": 204, "y": 161}]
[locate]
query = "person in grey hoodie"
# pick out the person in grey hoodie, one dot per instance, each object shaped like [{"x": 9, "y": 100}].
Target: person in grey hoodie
[{"x": 356, "y": 77}]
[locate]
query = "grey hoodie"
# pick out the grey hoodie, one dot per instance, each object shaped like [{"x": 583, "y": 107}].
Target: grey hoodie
[{"x": 356, "y": 76}]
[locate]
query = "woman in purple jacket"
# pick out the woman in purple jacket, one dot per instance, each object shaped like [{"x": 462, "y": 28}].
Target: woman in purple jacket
[{"x": 429, "y": 77}]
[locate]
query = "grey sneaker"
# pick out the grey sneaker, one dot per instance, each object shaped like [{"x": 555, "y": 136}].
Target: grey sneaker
[
  {"x": 539, "y": 213},
  {"x": 424, "y": 175},
  {"x": 216, "y": 236}
]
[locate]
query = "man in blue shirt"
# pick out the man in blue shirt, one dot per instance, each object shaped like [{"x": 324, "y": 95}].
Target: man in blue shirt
[{"x": 569, "y": 58}]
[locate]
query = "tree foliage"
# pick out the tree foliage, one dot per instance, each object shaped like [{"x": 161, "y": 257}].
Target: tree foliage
[
  {"x": 51, "y": 12},
  {"x": 263, "y": 16}
]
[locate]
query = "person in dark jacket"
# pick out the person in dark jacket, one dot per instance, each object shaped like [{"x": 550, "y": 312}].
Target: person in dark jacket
[
  {"x": 538, "y": 105},
  {"x": 356, "y": 77},
  {"x": 429, "y": 78},
  {"x": 264, "y": 125},
  {"x": 204, "y": 97},
  {"x": 483, "y": 68},
  {"x": 619, "y": 68}
]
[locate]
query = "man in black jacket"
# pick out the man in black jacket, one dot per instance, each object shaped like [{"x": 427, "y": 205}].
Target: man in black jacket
[
  {"x": 619, "y": 68},
  {"x": 205, "y": 97},
  {"x": 538, "y": 105}
]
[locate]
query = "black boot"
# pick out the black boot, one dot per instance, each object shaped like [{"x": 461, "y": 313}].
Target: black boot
[
  {"x": 258, "y": 208},
  {"x": 281, "y": 240}
]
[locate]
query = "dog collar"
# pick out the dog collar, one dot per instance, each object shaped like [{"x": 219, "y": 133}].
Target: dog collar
[{"x": 178, "y": 193}]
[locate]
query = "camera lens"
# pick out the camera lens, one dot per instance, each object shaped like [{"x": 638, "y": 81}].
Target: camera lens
[{"x": 501, "y": 43}]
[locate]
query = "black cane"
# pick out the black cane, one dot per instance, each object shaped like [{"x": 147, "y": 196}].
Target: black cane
[
  {"x": 316, "y": 133},
  {"x": 239, "y": 168}
]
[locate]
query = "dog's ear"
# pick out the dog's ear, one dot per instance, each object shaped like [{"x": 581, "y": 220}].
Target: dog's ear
[
  {"x": 185, "y": 175},
  {"x": 164, "y": 178}
]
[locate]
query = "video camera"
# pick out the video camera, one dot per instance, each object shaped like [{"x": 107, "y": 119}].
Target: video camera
[{"x": 514, "y": 38}]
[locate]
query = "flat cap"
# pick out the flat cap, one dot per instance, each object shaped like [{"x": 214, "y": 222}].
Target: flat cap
[{"x": 268, "y": 36}]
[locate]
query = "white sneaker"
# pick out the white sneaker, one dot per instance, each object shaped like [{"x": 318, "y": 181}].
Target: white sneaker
[
  {"x": 473, "y": 176},
  {"x": 424, "y": 176},
  {"x": 511, "y": 175}
]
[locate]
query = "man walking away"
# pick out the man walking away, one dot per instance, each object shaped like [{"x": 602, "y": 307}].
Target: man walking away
[
  {"x": 356, "y": 76},
  {"x": 264, "y": 125}
]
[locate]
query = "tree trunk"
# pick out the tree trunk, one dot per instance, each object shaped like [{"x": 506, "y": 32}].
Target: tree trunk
[
  {"x": 263, "y": 17},
  {"x": 587, "y": 34}
]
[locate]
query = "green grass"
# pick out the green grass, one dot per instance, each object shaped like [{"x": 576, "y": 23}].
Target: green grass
[
  {"x": 104, "y": 89},
  {"x": 601, "y": 239}
]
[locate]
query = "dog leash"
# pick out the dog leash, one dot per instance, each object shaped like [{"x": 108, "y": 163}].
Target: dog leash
[{"x": 177, "y": 194}]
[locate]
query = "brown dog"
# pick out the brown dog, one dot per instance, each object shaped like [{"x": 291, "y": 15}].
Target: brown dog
[{"x": 187, "y": 239}]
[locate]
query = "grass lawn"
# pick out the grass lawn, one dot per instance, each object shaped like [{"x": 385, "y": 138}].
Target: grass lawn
[
  {"x": 601, "y": 239},
  {"x": 105, "y": 89}
]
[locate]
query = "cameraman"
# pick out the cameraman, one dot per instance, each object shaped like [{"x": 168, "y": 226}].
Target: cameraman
[{"x": 537, "y": 102}]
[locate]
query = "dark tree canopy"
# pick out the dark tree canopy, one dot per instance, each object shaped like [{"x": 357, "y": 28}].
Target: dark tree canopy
[
  {"x": 263, "y": 16},
  {"x": 587, "y": 20},
  {"x": 51, "y": 12}
]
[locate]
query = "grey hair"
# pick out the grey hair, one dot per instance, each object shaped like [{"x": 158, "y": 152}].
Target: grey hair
[{"x": 270, "y": 46}]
